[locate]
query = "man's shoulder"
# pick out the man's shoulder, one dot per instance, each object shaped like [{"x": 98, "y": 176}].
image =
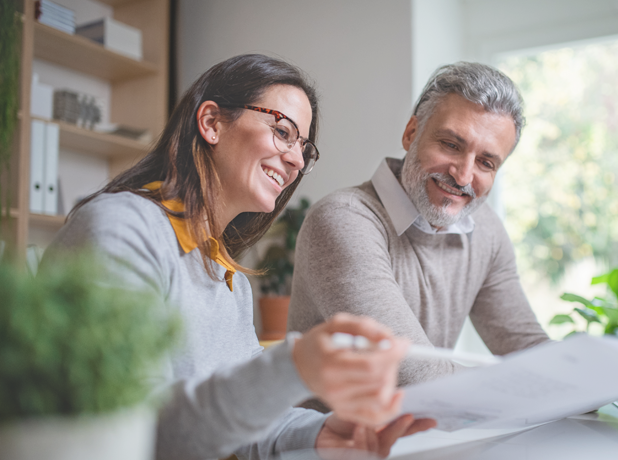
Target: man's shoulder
[
  {"x": 487, "y": 224},
  {"x": 360, "y": 198},
  {"x": 485, "y": 216},
  {"x": 349, "y": 206}
]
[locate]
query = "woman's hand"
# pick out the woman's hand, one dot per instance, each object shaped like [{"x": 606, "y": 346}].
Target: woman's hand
[
  {"x": 338, "y": 434},
  {"x": 359, "y": 386}
]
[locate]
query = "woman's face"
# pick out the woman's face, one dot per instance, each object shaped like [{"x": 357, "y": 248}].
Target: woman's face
[{"x": 245, "y": 155}]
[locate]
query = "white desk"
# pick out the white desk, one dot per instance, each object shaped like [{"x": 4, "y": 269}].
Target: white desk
[{"x": 590, "y": 436}]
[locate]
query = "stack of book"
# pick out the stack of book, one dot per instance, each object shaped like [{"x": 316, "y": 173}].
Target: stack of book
[{"x": 55, "y": 16}]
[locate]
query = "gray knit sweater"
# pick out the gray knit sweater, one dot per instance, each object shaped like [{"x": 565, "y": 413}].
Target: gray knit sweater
[
  {"x": 349, "y": 258},
  {"x": 225, "y": 393}
]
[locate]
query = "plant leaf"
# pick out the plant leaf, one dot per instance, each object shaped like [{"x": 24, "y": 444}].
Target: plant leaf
[
  {"x": 611, "y": 313},
  {"x": 576, "y": 298},
  {"x": 589, "y": 315},
  {"x": 610, "y": 278},
  {"x": 561, "y": 319},
  {"x": 611, "y": 329},
  {"x": 600, "y": 279}
]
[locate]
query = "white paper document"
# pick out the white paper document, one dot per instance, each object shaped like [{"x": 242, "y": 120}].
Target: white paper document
[{"x": 548, "y": 382}]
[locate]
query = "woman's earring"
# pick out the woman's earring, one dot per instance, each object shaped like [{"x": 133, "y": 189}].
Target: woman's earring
[{"x": 214, "y": 137}]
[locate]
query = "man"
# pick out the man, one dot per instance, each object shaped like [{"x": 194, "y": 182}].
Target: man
[{"x": 416, "y": 247}]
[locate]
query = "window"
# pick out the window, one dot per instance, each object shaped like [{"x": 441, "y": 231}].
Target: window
[{"x": 559, "y": 188}]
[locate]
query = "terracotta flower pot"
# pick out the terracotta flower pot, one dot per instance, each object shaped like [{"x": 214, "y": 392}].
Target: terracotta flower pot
[{"x": 274, "y": 313}]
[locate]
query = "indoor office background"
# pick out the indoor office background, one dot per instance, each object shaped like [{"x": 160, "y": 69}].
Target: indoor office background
[{"x": 370, "y": 60}]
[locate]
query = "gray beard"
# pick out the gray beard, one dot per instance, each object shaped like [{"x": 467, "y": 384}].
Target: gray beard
[{"x": 414, "y": 181}]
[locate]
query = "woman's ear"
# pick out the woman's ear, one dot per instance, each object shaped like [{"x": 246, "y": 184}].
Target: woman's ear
[
  {"x": 409, "y": 133},
  {"x": 209, "y": 121}
]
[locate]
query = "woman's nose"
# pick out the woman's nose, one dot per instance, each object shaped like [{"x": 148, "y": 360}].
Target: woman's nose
[{"x": 294, "y": 157}]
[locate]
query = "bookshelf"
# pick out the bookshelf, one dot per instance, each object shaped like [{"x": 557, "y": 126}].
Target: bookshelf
[
  {"x": 83, "y": 55},
  {"x": 107, "y": 145},
  {"x": 138, "y": 97}
]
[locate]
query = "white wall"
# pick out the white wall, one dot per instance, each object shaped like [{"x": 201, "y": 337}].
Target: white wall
[
  {"x": 492, "y": 27},
  {"x": 445, "y": 31},
  {"x": 358, "y": 51},
  {"x": 437, "y": 38}
]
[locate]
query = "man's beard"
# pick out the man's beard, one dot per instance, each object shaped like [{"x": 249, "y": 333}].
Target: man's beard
[{"x": 414, "y": 181}]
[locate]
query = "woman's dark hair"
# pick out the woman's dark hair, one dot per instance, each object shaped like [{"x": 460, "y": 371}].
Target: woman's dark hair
[{"x": 182, "y": 159}]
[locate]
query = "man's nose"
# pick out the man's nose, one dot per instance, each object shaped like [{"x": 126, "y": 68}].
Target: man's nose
[{"x": 463, "y": 170}]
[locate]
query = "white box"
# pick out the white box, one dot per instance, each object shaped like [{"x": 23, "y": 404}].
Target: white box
[
  {"x": 115, "y": 36},
  {"x": 41, "y": 99}
]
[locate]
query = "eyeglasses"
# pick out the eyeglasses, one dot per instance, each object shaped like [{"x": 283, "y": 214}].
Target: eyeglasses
[{"x": 285, "y": 135}]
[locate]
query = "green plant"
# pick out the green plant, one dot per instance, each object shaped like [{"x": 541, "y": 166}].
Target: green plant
[
  {"x": 600, "y": 310},
  {"x": 10, "y": 28},
  {"x": 70, "y": 346},
  {"x": 278, "y": 262}
]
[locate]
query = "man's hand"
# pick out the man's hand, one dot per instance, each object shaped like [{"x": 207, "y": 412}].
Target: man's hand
[
  {"x": 359, "y": 386},
  {"x": 338, "y": 434}
]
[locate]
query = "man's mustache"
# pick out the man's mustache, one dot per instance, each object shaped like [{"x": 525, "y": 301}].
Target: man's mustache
[{"x": 451, "y": 182}]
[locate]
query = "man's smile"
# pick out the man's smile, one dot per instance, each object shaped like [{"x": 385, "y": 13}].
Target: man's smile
[{"x": 448, "y": 189}]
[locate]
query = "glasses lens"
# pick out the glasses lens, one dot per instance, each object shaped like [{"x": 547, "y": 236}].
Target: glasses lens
[
  {"x": 285, "y": 135},
  {"x": 310, "y": 156}
]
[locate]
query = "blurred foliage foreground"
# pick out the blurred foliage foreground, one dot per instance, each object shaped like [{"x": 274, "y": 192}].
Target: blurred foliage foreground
[
  {"x": 560, "y": 187},
  {"x": 70, "y": 346},
  {"x": 599, "y": 310}
]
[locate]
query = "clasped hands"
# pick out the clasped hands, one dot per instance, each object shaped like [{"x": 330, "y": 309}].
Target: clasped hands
[{"x": 360, "y": 387}]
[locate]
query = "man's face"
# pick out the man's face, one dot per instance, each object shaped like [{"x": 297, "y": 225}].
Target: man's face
[{"x": 451, "y": 166}]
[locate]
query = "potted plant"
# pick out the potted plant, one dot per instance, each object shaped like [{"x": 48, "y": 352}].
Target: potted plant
[
  {"x": 75, "y": 361},
  {"x": 277, "y": 267},
  {"x": 599, "y": 310}
]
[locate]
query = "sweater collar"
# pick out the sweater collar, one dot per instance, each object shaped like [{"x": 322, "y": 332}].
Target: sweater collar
[{"x": 185, "y": 238}]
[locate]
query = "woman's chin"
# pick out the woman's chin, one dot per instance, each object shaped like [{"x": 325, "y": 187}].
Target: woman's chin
[{"x": 266, "y": 206}]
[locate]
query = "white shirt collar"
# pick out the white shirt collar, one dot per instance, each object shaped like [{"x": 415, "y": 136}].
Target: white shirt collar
[{"x": 400, "y": 208}]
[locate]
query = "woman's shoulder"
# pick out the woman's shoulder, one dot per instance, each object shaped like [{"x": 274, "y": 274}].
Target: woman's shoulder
[
  {"x": 114, "y": 215},
  {"x": 118, "y": 208}
]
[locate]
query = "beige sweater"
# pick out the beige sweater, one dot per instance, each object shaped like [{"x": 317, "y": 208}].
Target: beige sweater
[{"x": 423, "y": 286}]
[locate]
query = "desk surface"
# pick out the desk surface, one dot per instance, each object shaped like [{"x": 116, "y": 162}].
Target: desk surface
[{"x": 588, "y": 436}]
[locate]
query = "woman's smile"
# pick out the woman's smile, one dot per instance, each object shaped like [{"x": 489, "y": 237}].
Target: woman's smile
[{"x": 274, "y": 176}]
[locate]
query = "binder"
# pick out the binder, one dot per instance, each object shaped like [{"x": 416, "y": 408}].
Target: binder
[
  {"x": 37, "y": 166},
  {"x": 50, "y": 174}
]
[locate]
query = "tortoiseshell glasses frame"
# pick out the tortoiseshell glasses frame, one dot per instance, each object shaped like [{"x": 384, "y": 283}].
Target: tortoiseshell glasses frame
[{"x": 286, "y": 134}]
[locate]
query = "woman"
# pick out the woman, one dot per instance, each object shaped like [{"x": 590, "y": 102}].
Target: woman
[{"x": 226, "y": 164}]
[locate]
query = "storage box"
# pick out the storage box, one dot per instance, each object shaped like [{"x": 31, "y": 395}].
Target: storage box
[
  {"x": 115, "y": 36},
  {"x": 41, "y": 99}
]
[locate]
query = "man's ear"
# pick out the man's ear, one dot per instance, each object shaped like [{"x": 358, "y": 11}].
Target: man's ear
[
  {"x": 409, "y": 133},
  {"x": 208, "y": 121}
]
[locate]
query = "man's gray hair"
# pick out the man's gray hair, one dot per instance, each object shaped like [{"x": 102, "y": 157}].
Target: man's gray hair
[{"x": 478, "y": 83}]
